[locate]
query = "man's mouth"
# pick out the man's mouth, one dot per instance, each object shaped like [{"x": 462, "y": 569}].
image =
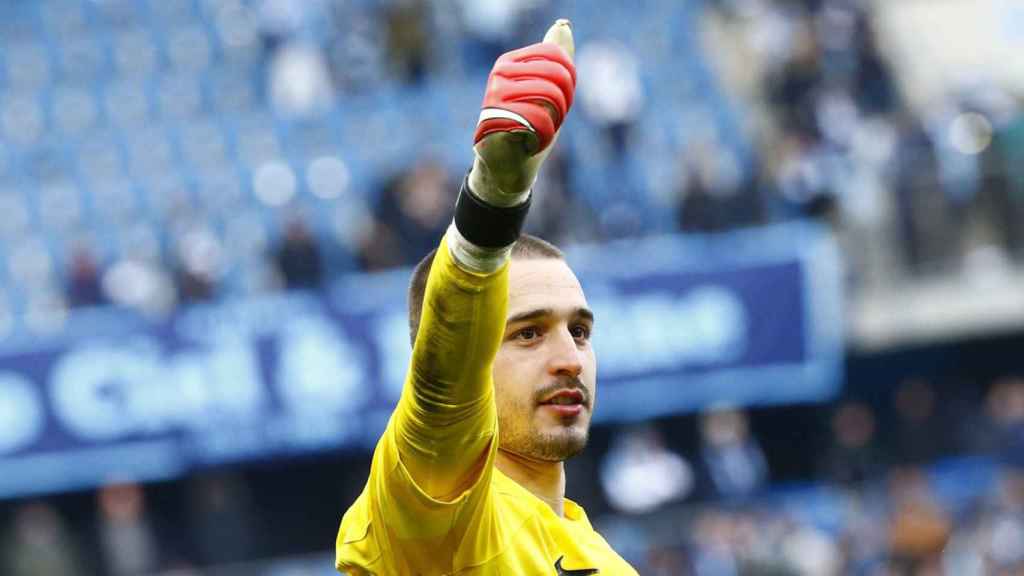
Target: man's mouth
[{"x": 565, "y": 397}]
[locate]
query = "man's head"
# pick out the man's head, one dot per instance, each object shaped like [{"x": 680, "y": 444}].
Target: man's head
[{"x": 545, "y": 356}]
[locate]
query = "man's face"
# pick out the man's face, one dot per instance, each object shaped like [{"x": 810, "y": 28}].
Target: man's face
[{"x": 545, "y": 374}]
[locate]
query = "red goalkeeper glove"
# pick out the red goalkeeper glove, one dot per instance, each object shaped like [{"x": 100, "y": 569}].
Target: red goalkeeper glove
[{"x": 529, "y": 93}]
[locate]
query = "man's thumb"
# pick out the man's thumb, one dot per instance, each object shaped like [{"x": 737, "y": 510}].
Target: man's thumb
[{"x": 560, "y": 34}]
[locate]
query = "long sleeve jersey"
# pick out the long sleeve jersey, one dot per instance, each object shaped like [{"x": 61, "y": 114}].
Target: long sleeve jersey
[{"x": 434, "y": 503}]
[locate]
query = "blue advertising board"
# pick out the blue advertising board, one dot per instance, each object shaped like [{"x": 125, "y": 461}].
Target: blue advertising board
[{"x": 748, "y": 318}]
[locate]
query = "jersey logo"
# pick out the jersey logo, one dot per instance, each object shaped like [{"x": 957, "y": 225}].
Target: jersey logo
[{"x": 564, "y": 572}]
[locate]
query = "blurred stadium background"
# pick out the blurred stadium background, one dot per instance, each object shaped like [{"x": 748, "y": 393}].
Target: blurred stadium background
[{"x": 799, "y": 222}]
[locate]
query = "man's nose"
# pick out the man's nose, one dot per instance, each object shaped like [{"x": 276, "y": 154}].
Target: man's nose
[{"x": 566, "y": 358}]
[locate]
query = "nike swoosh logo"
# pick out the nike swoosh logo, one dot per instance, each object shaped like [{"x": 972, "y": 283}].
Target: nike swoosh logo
[{"x": 564, "y": 572}]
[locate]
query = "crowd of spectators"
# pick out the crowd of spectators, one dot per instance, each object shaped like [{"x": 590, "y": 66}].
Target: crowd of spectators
[
  {"x": 920, "y": 189},
  {"x": 912, "y": 192},
  {"x": 929, "y": 480},
  {"x": 294, "y": 61},
  {"x": 896, "y": 527},
  {"x": 880, "y": 503},
  {"x": 132, "y": 536}
]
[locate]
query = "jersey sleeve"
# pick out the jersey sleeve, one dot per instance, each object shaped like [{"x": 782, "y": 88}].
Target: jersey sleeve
[{"x": 432, "y": 466}]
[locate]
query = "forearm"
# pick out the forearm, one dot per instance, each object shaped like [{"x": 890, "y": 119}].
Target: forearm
[
  {"x": 460, "y": 329},
  {"x": 446, "y": 415}
]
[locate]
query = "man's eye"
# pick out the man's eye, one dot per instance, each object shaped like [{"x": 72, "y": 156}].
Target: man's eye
[
  {"x": 527, "y": 334},
  {"x": 581, "y": 331}
]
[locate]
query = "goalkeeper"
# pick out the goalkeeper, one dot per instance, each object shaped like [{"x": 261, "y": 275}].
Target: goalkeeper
[{"x": 468, "y": 477}]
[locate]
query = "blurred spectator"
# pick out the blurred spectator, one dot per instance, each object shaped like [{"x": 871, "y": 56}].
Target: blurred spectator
[
  {"x": 918, "y": 527},
  {"x": 39, "y": 543},
  {"x": 409, "y": 45},
  {"x": 701, "y": 207},
  {"x": 920, "y": 433},
  {"x": 1001, "y": 194},
  {"x": 732, "y": 459},
  {"x": 610, "y": 92},
  {"x": 380, "y": 247},
  {"x": 1005, "y": 408},
  {"x": 988, "y": 541},
  {"x": 873, "y": 83},
  {"x": 299, "y": 80},
  {"x": 698, "y": 210},
  {"x": 922, "y": 209},
  {"x": 1006, "y": 551},
  {"x": 200, "y": 264},
  {"x": 796, "y": 86},
  {"x": 298, "y": 257},
  {"x": 412, "y": 213},
  {"x": 805, "y": 177},
  {"x": 223, "y": 526},
  {"x": 712, "y": 195},
  {"x": 853, "y": 457},
  {"x": 127, "y": 540},
  {"x": 640, "y": 473},
  {"x": 193, "y": 287},
  {"x": 84, "y": 287},
  {"x": 808, "y": 550},
  {"x": 140, "y": 283}
]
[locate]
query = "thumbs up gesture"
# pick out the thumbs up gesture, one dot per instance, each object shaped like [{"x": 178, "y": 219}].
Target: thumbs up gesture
[{"x": 528, "y": 96}]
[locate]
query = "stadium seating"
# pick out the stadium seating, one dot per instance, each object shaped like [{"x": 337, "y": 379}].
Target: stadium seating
[{"x": 127, "y": 120}]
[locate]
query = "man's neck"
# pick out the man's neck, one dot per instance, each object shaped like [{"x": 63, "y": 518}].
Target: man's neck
[{"x": 545, "y": 480}]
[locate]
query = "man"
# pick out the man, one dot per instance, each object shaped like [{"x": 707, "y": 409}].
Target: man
[{"x": 501, "y": 342}]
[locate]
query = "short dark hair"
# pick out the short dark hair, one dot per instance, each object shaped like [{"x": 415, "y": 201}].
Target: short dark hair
[{"x": 527, "y": 247}]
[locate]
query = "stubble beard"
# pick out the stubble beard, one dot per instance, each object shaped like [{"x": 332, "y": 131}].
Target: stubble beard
[{"x": 553, "y": 445}]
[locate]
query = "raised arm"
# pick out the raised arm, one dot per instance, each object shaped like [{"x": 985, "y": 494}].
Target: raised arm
[
  {"x": 446, "y": 419},
  {"x": 427, "y": 482}
]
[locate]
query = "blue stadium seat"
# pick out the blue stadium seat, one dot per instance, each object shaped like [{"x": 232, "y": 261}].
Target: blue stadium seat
[{"x": 156, "y": 111}]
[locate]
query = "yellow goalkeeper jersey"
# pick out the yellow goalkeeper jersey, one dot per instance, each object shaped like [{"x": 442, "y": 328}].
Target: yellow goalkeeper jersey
[{"x": 443, "y": 434}]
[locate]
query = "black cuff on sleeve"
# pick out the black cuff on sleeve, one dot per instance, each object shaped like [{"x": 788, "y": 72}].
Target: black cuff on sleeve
[{"x": 485, "y": 225}]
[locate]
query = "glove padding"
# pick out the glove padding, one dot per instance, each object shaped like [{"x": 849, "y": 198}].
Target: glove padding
[
  {"x": 528, "y": 96},
  {"x": 529, "y": 90}
]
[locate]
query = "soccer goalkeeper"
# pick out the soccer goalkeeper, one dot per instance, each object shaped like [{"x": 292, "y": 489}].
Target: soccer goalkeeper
[{"x": 468, "y": 477}]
